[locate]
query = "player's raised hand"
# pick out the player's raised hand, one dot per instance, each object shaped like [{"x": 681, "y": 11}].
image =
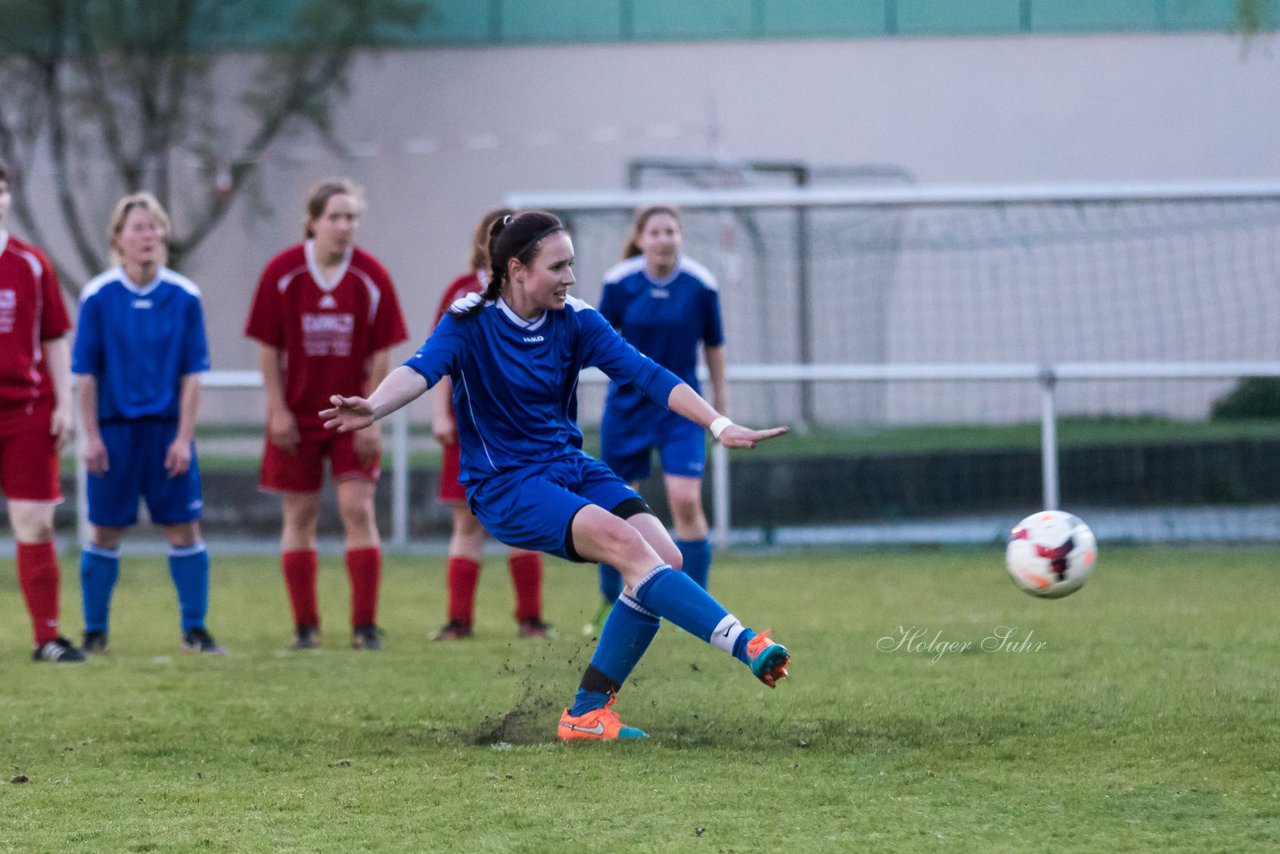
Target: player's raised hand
[
  {"x": 347, "y": 414},
  {"x": 737, "y": 436}
]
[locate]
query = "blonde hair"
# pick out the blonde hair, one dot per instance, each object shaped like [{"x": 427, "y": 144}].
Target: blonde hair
[
  {"x": 632, "y": 249},
  {"x": 151, "y": 205},
  {"x": 318, "y": 199}
]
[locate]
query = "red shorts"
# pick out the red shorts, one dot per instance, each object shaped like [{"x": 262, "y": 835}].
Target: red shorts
[
  {"x": 451, "y": 492},
  {"x": 303, "y": 471},
  {"x": 29, "y": 466}
]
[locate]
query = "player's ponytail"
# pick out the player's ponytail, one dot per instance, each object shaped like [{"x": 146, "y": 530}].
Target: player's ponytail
[{"x": 513, "y": 236}]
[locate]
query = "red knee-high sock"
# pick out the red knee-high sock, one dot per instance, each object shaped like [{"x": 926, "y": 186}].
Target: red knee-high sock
[
  {"x": 526, "y": 578},
  {"x": 461, "y": 578},
  {"x": 300, "y": 571},
  {"x": 364, "y": 568},
  {"x": 39, "y": 579}
]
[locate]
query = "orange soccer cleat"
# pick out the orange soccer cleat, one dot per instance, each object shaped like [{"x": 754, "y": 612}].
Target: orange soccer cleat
[
  {"x": 769, "y": 659},
  {"x": 597, "y": 725}
]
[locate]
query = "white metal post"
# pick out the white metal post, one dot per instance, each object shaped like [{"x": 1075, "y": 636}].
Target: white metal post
[
  {"x": 400, "y": 477},
  {"x": 1049, "y": 438},
  {"x": 82, "y": 478},
  {"x": 720, "y": 495}
]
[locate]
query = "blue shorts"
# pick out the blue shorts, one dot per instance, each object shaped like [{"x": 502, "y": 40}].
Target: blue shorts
[
  {"x": 533, "y": 507},
  {"x": 627, "y": 443},
  {"x": 135, "y": 460}
]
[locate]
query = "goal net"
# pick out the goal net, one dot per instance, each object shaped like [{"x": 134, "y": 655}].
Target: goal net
[{"x": 889, "y": 278}]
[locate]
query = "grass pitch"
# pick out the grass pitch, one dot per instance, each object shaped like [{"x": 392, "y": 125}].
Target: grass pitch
[{"x": 932, "y": 707}]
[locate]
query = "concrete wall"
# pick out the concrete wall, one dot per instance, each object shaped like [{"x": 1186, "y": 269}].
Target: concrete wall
[{"x": 438, "y": 136}]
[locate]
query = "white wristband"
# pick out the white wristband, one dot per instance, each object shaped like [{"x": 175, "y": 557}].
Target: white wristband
[{"x": 717, "y": 427}]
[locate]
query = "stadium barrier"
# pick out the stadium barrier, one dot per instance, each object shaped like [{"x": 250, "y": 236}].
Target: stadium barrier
[{"x": 1046, "y": 377}]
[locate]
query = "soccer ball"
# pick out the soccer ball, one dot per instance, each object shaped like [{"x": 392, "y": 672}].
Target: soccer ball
[{"x": 1050, "y": 554}]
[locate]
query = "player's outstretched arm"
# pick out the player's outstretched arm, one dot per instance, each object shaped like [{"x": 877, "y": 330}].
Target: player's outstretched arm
[
  {"x": 687, "y": 402},
  {"x": 355, "y": 413}
]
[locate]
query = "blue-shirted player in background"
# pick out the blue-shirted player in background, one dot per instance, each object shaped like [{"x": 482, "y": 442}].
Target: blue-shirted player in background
[
  {"x": 139, "y": 351},
  {"x": 514, "y": 354},
  {"x": 667, "y": 306}
]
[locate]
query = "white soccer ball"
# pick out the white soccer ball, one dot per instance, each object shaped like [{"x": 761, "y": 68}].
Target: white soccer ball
[{"x": 1050, "y": 554}]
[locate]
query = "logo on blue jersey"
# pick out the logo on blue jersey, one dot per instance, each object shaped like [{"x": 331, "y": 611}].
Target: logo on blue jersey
[
  {"x": 142, "y": 303},
  {"x": 533, "y": 339}
]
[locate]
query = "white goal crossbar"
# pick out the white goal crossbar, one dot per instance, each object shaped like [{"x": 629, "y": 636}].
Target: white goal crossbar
[{"x": 816, "y": 197}]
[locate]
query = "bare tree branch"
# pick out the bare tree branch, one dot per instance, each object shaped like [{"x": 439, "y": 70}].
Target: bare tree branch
[{"x": 121, "y": 98}]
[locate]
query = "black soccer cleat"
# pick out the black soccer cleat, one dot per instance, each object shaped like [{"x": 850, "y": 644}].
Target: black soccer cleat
[
  {"x": 535, "y": 628},
  {"x": 95, "y": 643},
  {"x": 367, "y": 636},
  {"x": 453, "y": 630},
  {"x": 59, "y": 650},
  {"x": 199, "y": 640},
  {"x": 306, "y": 637}
]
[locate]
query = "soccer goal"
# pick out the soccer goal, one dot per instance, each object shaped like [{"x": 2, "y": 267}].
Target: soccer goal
[{"x": 921, "y": 328}]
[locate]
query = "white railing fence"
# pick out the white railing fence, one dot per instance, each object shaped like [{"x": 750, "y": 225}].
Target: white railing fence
[{"x": 1046, "y": 377}]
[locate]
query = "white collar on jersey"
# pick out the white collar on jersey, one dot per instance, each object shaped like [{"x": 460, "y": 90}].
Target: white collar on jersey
[
  {"x": 135, "y": 288},
  {"x": 4, "y": 240},
  {"x": 309, "y": 249},
  {"x": 665, "y": 280},
  {"x": 527, "y": 325}
]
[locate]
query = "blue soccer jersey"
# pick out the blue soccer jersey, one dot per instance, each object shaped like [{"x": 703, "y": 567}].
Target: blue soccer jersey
[
  {"x": 664, "y": 319},
  {"x": 139, "y": 341},
  {"x": 515, "y": 381}
]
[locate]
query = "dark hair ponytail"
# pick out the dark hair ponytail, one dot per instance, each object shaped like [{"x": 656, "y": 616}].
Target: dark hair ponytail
[{"x": 518, "y": 237}]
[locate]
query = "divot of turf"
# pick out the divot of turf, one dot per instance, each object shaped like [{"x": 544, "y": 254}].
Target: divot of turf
[{"x": 532, "y": 721}]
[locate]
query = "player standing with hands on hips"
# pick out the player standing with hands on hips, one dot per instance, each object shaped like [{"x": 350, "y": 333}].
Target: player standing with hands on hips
[
  {"x": 665, "y": 305},
  {"x": 35, "y": 422},
  {"x": 139, "y": 352},
  {"x": 514, "y": 354},
  {"x": 326, "y": 316},
  {"x": 466, "y": 541}
]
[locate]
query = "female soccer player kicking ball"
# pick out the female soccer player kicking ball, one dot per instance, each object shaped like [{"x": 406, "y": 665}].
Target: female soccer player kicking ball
[{"x": 514, "y": 354}]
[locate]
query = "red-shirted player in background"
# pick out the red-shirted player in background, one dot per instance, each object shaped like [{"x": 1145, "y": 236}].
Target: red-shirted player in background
[
  {"x": 326, "y": 315},
  {"x": 466, "y": 542},
  {"x": 35, "y": 420}
]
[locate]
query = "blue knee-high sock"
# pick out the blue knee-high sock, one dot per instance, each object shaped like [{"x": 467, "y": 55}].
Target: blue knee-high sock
[
  {"x": 678, "y": 598},
  {"x": 697, "y": 559},
  {"x": 189, "y": 568},
  {"x": 610, "y": 583},
  {"x": 626, "y": 635},
  {"x": 99, "y": 569}
]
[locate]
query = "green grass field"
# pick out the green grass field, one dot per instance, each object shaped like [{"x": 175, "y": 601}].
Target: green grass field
[{"x": 1138, "y": 714}]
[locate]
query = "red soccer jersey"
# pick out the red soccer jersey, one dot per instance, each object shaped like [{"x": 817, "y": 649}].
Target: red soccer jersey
[
  {"x": 458, "y": 288},
  {"x": 326, "y": 331},
  {"x": 31, "y": 312}
]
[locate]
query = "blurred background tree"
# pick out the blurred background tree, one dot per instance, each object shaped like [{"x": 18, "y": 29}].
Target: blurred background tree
[
  {"x": 1252, "y": 15},
  {"x": 106, "y": 97}
]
